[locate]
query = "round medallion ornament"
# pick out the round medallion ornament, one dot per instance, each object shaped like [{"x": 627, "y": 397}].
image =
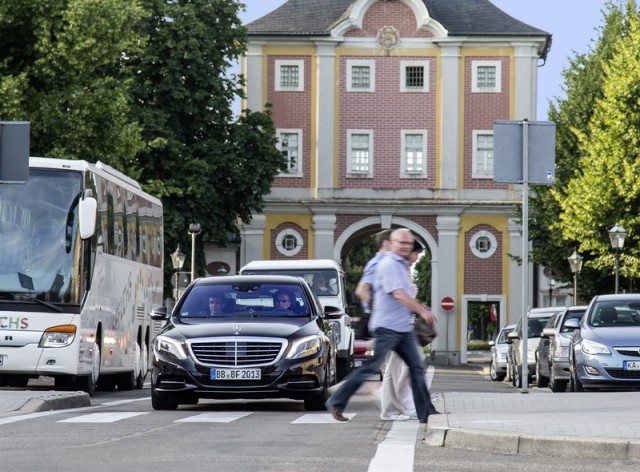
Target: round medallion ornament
[{"x": 388, "y": 37}]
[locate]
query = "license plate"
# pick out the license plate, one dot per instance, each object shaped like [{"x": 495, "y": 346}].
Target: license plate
[
  {"x": 236, "y": 374},
  {"x": 357, "y": 363},
  {"x": 631, "y": 365}
]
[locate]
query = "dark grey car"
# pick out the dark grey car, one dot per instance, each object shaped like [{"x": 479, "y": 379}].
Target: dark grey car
[
  {"x": 245, "y": 337},
  {"x": 552, "y": 354}
]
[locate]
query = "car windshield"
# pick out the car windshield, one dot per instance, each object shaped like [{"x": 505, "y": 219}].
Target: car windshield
[
  {"x": 615, "y": 314},
  {"x": 536, "y": 325},
  {"x": 253, "y": 300}
]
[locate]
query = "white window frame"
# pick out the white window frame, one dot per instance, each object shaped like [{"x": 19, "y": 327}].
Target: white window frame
[
  {"x": 297, "y": 132},
  {"x": 476, "y": 157},
  {"x": 403, "y": 76},
  {"x": 372, "y": 75},
  {"x": 290, "y": 62},
  {"x": 474, "y": 76},
  {"x": 403, "y": 167},
  {"x": 280, "y": 242},
  {"x": 493, "y": 244},
  {"x": 350, "y": 134}
]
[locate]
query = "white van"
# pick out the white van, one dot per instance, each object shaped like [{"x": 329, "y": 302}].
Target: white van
[{"x": 326, "y": 279}]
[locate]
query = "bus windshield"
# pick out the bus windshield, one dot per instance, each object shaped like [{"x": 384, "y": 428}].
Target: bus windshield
[{"x": 38, "y": 238}]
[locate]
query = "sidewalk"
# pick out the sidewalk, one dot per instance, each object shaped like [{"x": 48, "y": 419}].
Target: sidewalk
[{"x": 603, "y": 425}]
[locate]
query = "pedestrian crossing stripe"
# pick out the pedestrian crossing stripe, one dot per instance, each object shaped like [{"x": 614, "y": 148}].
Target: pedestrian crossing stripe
[
  {"x": 320, "y": 418},
  {"x": 208, "y": 417},
  {"x": 111, "y": 417},
  {"x": 215, "y": 417}
]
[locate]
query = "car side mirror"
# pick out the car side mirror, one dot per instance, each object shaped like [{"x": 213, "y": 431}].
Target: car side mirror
[
  {"x": 159, "y": 313},
  {"x": 511, "y": 336},
  {"x": 332, "y": 312},
  {"x": 547, "y": 333},
  {"x": 492, "y": 343},
  {"x": 572, "y": 324}
]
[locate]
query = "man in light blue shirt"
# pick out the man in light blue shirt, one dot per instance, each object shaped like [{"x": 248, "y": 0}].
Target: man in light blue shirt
[{"x": 391, "y": 324}]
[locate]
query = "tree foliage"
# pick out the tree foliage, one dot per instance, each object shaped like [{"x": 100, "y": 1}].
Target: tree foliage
[
  {"x": 144, "y": 86},
  {"x": 63, "y": 69},
  {"x": 584, "y": 87},
  {"x": 605, "y": 187}
]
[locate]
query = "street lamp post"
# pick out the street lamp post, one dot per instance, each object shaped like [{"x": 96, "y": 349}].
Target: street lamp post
[
  {"x": 552, "y": 284},
  {"x": 177, "y": 259},
  {"x": 575, "y": 261},
  {"x": 617, "y": 234},
  {"x": 194, "y": 230}
]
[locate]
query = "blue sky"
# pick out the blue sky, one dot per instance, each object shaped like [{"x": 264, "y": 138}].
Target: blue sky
[{"x": 574, "y": 25}]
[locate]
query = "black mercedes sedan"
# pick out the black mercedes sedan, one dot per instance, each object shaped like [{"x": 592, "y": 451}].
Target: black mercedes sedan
[{"x": 244, "y": 337}]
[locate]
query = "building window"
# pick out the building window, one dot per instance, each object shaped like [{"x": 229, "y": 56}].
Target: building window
[
  {"x": 414, "y": 153},
  {"x": 483, "y": 244},
  {"x": 360, "y": 154},
  {"x": 289, "y": 242},
  {"x": 361, "y": 76},
  {"x": 482, "y": 155},
  {"x": 486, "y": 76},
  {"x": 289, "y": 75},
  {"x": 290, "y": 143},
  {"x": 414, "y": 76}
]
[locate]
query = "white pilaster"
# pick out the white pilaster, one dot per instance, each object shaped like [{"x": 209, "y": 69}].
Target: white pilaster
[
  {"x": 325, "y": 96},
  {"x": 451, "y": 123},
  {"x": 253, "y": 76},
  {"x": 252, "y": 238},
  {"x": 324, "y": 227}
]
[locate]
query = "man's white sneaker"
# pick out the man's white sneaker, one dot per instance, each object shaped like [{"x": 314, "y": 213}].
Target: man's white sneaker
[{"x": 394, "y": 418}]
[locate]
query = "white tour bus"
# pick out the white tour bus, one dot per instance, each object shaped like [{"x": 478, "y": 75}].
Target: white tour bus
[{"x": 81, "y": 267}]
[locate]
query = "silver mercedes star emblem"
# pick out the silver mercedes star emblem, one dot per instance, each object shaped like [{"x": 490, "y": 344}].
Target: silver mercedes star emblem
[{"x": 236, "y": 329}]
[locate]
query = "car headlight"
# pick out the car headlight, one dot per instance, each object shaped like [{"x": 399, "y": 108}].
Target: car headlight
[
  {"x": 304, "y": 347},
  {"x": 169, "y": 347},
  {"x": 561, "y": 351},
  {"x": 58, "y": 336},
  {"x": 591, "y": 347}
]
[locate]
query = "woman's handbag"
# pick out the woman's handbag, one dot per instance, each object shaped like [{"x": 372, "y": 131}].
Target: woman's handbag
[{"x": 426, "y": 331}]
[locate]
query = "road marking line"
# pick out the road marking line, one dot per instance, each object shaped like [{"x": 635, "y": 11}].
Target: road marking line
[
  {"x": 320, "y": 418},
  {"x": 397, "y": 450},
  {"x": 215, "y": 417},
  {"x": 110, "y": 417}
]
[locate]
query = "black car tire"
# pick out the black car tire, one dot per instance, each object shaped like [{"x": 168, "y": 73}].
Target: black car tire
[
  {"x": 317, "y": 403},
  {"x": 576, "y": 385},
  {"x": 517, "y": 378},
  {"x": 541, "y": 381},
  {"x": 159, "y": 403},
  {"x": 494, "y": 374}
]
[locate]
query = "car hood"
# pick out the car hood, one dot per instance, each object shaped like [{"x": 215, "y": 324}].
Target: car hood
[
  {"x": 611, "y": 336},
  {"x": 274, "y": 327}
]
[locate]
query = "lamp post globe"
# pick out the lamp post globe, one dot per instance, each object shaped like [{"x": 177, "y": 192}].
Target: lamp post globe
[
  {"x": 194, "y": 230},
  {"x": 575, "y": 262},
  {"x": 177, "y": 260},
  {"x": 617, "y": 235}
]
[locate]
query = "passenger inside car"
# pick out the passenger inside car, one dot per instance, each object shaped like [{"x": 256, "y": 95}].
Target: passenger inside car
[{"x": 282, "y": 300}]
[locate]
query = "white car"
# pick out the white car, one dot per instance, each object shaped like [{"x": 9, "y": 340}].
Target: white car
[
  {"x": 537, "y": 318},
  {"x": 499, "y": 353}
]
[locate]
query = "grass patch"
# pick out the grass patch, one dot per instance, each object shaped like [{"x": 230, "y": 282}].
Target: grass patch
[{"x": 478, "y": 346}]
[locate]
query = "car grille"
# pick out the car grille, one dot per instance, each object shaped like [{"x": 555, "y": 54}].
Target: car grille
[
  {"x": 624, "y": 374},
  {"x": 628, "y": 351},
  {"x": 238, "y": 352}
]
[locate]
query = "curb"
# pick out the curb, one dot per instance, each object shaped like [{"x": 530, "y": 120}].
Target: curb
[
  {"x": 56, "y": 401},
  {"x": 570, "y": 447}
]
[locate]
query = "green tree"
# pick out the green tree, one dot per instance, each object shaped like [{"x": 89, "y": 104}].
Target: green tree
[
  {"x": 584, "y": 88},
  {"x": 605, "y": 188},
  {"x": 206, "y": 166},
  {"x": 63, "y": 67}
]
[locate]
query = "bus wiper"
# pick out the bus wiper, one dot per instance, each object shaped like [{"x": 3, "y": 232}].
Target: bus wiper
[{"x": 47, "y": 304}]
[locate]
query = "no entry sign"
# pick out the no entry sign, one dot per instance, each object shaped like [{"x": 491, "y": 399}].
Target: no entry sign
[{"x": 447, "y": 304}]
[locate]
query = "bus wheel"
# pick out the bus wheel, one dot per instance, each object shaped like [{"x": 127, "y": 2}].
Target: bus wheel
[
  {"x": 144, "y": 365},
  {"x": 87, "y": 383}
]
